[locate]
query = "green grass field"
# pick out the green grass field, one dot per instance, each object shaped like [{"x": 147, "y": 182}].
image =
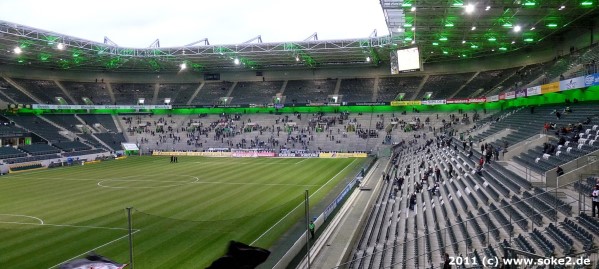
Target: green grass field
[{"x": 184, "y": 214}]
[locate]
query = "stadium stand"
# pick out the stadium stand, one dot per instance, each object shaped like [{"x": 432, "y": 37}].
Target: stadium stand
[
  {"x": 442, "y": 86},
  {"x": 113, "y": 140},
  {"x": 96, "y": 92},
  {"x": 180, "y": 93},
  {"x": 211, "y": 92},
  {"x": 484, "y": 82},
  {"x": 67, "y": 121},
  {"x": 39, "y": 149},
  {"x": 255, "y": 92},
  {"x": 357, "y": 89},
  {"x": 390, "y": 87},
  {"x": 45, "y": 90},
  {"x": 39, "y": 127},
  {"x": 104, "y": 120},
  {"x": 71, "y": 146},
  {"x": 129, "y": 93},
  {"x": 13, "y": 93},
  {"x": 306, "y": 91}
]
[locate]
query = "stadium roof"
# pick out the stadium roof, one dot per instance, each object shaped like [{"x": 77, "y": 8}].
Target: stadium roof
[
  {"x": 443, "y": 29},
  {"x": 470, "y": 28},
  {"x": 53, "y": 50}
]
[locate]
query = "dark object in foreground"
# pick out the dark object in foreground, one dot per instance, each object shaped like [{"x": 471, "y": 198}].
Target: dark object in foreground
[
  {"x": 92, "y": 260},
  {"x": 240, "y": 256}
]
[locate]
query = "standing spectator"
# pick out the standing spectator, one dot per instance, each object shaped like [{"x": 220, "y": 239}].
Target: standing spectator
[
  {"x": 311, "y": 227},
  {"x": 559, "y": 171},
  {"x": 446, "y": 264},
  {"x": 595, "y": 195}
]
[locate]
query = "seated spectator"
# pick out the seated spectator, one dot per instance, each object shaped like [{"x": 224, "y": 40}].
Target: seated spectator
[{"x": 568, "y": 109}]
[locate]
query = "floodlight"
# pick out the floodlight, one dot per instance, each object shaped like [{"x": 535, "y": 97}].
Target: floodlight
[
  {"x": 236, "y": 61},
  {"x": 473, "y": 28},
  {"x": 517, "y": 28},
  {"x": 562, "y": 7},
  {"x": 17, "y": 50},
  {"x": 469, "y": 8},
  {"x": 487, "y": 8},
  {"x": 413, "y": 28},
  {"x": 533, "y": 28},
  {"x": 141, "y": 101},
  {"x": 183, "y": 66},
  {"x": 413, "y": 9},
  {"x": 167, "y": 101},
  {"x": 513, "y": 42},
  {"x": 297, "y": 58},
  {"x": 60, "y": 46},
  {"x": 368, "y": 59},
  {"x": 463, "y": 41}
]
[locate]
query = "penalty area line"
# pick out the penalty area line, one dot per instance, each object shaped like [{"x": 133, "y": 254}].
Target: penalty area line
[
  {"x": 106, "y": 244},
  {"x": 300, "y": 204}
]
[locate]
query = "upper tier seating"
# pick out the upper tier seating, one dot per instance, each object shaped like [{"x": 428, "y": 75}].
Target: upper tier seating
[
  {"x": 129, "y": 93},
  {"x": 306, "y": 91},
  {"x": 14, "y": 93},
  {"x": 484, "y": 82},
  {"x": 255, "y": 92},
  {"x": 211, "y": 92},
  {"x": 390, "y": 87},
  {"x": 443, "y": 86},
  {"x": 44, "y": 90},
  {"x": 96, "y": 92},
  {"x": 357, "y": 90},
  {"x": 179, "y": 93}
]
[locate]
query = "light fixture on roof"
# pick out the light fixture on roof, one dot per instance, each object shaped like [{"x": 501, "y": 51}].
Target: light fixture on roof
[
  {"x": 183, "y": 66},
  {"x": 532, "y": 28},
  {"x": 469, "y": 8},
  {"x": 413, "y": 9},
  {"x": 562, "y": 7},
  {"x": 473, "y": 28},
  {"x": 487, "y": 8},
  {"x": 60, "y": 46},
  {"x": 517, "y": 28},
  {"x": 17, "y": 50},
  {"x": 463, "y": 41},
  {"x": 513, "y": 42},
  {"x": 236, "y": 61}
]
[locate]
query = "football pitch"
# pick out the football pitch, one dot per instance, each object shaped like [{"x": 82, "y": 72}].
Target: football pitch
[{"x": 184, "y": 214}]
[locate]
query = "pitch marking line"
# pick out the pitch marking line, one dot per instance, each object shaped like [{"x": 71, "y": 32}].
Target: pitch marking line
[
  {"x": 155, "y": 187},
  {"x": 26, "y": 216},
  {"x": 301, "y": 161},
  {"x": 300, "y": 204},
  {"x": 124, "y": 236},
  {"x": 42, "y": 223}
]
